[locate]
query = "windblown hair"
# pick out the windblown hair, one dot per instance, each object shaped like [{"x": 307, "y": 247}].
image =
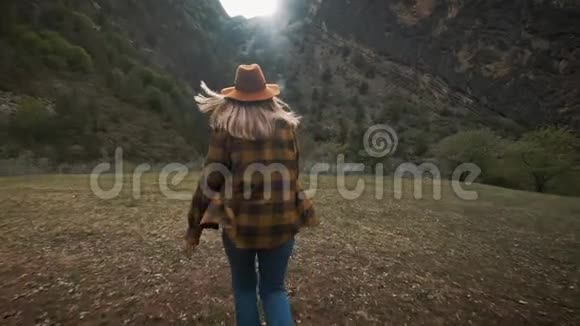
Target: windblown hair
[{"x": 246, "y": 120}]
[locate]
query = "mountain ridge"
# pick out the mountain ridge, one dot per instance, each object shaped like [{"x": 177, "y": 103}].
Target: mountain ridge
[{"x": 429, "y": 68}]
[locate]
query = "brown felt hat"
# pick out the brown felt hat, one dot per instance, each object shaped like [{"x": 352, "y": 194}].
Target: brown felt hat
[{"x": 250, "y": 85}]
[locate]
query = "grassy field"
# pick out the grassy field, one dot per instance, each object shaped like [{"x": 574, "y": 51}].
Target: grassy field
[{"x": 509, "y": 258}]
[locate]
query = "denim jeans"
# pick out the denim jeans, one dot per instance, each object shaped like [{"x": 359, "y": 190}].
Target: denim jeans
[{"x": 272, "y": 265}]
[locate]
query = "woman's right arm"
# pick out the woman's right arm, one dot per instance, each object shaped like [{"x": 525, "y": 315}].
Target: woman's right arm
[{"x": 211, "y": 181}]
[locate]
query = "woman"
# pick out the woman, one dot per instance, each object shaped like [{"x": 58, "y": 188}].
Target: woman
[{"x": 250, "y": 188}]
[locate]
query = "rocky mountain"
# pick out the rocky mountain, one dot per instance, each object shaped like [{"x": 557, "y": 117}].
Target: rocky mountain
[
  {"x": 426, "y": 67},
  {"x": 520, "y": 58},
  {"x": 446, "y": 64}
]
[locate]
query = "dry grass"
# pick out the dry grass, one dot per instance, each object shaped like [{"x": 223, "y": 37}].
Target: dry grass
[{"x": 509, "y": 258}]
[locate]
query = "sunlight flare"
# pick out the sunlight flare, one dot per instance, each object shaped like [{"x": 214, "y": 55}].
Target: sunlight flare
[{"x": 250, "y": 9}]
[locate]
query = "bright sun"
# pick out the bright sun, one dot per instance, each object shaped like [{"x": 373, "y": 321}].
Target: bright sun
[{"x": 250, "y": 8}]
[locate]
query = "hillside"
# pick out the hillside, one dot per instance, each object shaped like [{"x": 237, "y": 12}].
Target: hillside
[
  {"x": 428, "y": 68},
  {"x": 517, "y": 58},
  {"x": 80, "y": 78}
]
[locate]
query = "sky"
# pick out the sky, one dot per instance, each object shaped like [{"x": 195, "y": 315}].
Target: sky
[{"x": 250, "y": 8}]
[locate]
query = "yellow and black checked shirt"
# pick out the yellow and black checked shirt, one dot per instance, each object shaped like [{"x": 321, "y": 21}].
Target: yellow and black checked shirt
[{"x": 256, "y": 196}]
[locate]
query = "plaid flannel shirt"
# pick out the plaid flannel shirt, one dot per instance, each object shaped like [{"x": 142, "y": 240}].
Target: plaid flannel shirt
[{"x": 252, "y": 190}]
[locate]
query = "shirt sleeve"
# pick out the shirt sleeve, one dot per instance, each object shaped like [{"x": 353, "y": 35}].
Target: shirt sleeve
[
  {"x": 304, "y": 204},
  {"x": 212, "y": 178}
]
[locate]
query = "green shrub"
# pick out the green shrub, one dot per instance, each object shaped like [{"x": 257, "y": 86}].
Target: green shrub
[
  {"x": 147, "y": 76},
  {"x": 545, "y": 154},
  {"x": 167, "y": 85},
  {"x": 55, "y": 62},
  {"x": 501, "y": 181},
  {"x": 32, "y": 120},
  {"x": 25, "y": 36},
  {"x": 480, "y": 147},
  {"x": 78, "y": 59},
  {"x": 57, "y": 43},
  {"x": 156, "y": 99},
  {"x": 81, "y": 23}
]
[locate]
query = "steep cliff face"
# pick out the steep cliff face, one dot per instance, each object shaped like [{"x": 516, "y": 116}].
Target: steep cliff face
[{"x": 518, "y": 58}]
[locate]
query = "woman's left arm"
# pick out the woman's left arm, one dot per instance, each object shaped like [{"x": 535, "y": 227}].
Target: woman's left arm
[{"x": 210, "y": 184}]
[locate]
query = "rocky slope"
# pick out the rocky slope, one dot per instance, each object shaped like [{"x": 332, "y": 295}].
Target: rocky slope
[
  {"x": 344, "y": 85},
  {"x": 518, "y": 58},
  {"x": 187, "y": 37},
  {"x": 426, "y": 67},
  {"x": 118, "y": 73}
]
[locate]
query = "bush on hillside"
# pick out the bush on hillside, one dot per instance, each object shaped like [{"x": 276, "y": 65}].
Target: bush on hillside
[
  {"x": 480, "y": 147},
  {"x": 545, "y": 154},
  {"x": 32, "y": 121},
  {"x": 156, "y": 100},
  {"x": 50, "y": 49},
  {"x": 78, "y": 59},
  {"x": 147, "y": 75}
]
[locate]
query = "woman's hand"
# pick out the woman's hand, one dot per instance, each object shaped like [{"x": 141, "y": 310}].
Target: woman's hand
[{"x": 191, "y": 240}]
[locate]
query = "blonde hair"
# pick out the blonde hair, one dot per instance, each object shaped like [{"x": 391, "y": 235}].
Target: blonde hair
[{"x": 246, "y": 120}]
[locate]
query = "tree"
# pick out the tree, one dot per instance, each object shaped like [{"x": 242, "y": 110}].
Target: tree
[
  {"x": 546, "y": 153},
  {"x": 480, "y": 147}
]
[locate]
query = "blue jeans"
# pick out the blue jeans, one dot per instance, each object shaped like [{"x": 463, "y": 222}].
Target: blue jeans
[{"x": 272, "y": 272}]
